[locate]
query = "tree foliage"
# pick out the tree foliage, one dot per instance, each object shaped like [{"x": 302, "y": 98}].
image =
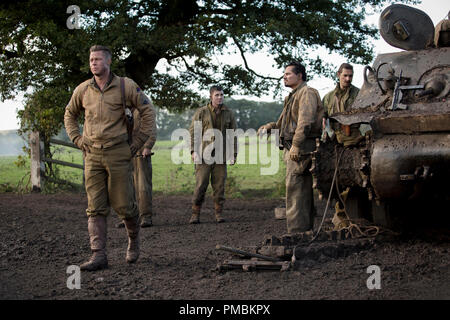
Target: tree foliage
[{"x": 41, "y": 56}]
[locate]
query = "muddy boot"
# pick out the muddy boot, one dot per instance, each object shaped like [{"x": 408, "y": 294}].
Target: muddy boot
[
  {"x": 195, "y": 217},
  {"x": 97, "y": 236},
  {"x": 218, "y": 213},
  {"x": 340, "y": 220},
  {"x": 133, "y": 227},
  {"x": 146, "y": 221}
]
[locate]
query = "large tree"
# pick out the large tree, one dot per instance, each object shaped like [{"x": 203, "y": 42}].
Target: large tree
[{"x": 43, "y": 57}]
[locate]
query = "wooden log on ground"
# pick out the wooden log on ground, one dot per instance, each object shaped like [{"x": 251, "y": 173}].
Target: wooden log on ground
[
  {"x": 245, "y": 253},
  {"x": 249, "y": 265}
]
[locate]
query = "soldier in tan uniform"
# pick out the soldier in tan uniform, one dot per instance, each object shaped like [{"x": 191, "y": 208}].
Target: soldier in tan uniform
[
  {"x": 340, "y": 100},
  {"x": 214, "y": 116},
  {"x": 300, "y": 123},
  {"x": 142, "y": 173},
  {"x": 107, "y": 153},
  {"x": 442, "y": 33}
]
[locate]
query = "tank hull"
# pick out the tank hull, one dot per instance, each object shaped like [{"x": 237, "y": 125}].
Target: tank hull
[{"x": 401, "y": 164}]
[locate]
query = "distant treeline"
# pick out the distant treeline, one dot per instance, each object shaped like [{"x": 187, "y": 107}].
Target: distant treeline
[
  {"x": 249, "y": 114},
  {"x": 11, "y": 143}
]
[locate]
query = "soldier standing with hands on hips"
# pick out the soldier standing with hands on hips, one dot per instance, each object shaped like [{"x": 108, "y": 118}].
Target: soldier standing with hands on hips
[{"x": 107, "y": 152}]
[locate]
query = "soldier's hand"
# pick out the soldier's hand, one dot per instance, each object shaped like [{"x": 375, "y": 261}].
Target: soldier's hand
[
  {"x": 233, "y": 161},
  {"x": 294, "y": 153},
  {"x": 194, "y": 156},
  {"x": 81, "y": 145},
  {"x": 146, "y": 152},
  {"x": 265, "y": 129}
]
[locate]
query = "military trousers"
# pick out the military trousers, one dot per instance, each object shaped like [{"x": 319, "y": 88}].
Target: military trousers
[
  {"x": 203, "y": 173},
  {"x": 109, "y": 181},
  {"x": 142, "y": 173},
  {"x": 299, "y": 194}
]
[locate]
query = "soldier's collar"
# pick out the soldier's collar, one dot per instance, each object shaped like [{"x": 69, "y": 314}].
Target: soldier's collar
[
  {"x": 342, "y": 91},
  {"x": 210, "y": 106},
  {"x": 110, "y": 79},
  {"x": 298, "y": 87}
]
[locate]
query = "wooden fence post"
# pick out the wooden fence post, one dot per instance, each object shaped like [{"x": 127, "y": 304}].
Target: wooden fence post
[{"x": 37, "y": 166}]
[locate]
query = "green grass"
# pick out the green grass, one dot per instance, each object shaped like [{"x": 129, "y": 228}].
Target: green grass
[
  {"x": 243, "y": 180},
  {"x": 11, "y": 176}
]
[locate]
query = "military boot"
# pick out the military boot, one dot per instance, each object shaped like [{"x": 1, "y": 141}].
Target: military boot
[
  {"x": 195, "y": 217},
  {"x": 97, "y": 236},
  {"x": 340, "y": 219},
  {"x": 133, "y": 227},
  {"x": 146, "y": 221},
  {"x": 218, "y": 213}
]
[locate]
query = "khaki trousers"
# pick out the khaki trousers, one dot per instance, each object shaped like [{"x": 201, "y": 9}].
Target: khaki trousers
[
  {"x": 143, "y": 184},
  {"x": 299, "y": 195},
  {"x": 218, "y": 175},
  {"x": 109, "y": 183}
]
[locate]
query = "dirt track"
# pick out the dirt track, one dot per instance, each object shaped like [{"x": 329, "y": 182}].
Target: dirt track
[{"x": 43, "y": 234}]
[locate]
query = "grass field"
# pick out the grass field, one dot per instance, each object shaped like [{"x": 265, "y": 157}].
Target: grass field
[{"x": 245, "y": 179}]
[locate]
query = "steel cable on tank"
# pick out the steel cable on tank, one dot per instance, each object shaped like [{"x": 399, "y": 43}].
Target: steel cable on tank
[{"x": 352, "y": 225}]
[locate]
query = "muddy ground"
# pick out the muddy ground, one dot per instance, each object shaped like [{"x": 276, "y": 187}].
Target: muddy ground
[{"x": 44, "y": 234}]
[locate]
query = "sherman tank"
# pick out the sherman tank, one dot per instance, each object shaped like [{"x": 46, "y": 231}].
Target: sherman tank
[{"x": 403, "y": 112}]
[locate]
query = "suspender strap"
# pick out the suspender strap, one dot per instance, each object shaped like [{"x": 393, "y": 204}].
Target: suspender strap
[
  {"x": 127, "y": 111},
  {"x": 122, "y": 90}
]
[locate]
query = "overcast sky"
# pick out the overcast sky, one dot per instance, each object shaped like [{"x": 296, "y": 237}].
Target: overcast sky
[{"x": 436, "y": 9}]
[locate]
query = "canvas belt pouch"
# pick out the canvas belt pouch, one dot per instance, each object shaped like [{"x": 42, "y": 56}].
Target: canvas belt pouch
[{"x": 303, "y": 164}]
